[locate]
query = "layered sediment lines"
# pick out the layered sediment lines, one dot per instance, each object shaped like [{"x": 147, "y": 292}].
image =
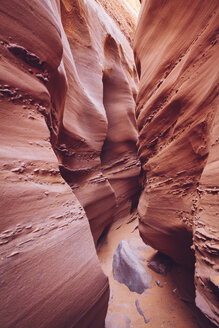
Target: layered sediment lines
[
  {"x": 176, "y": 53},
  {"x": 96, "y": 144},
  {"x": 62, "y": 64}
]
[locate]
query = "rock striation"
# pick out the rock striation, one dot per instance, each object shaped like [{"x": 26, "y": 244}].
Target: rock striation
[
  {"x": 67, "y": 90},
  {"x": 176, "y": 54},
  {"x": 68, "y": 157},
  {"x": 96, "y": 140}
]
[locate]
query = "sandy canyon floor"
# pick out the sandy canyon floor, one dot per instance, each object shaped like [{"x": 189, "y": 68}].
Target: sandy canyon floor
[{"x": 159, "y": 306}]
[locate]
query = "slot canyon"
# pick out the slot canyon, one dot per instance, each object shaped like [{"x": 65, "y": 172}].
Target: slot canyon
[{"x": 109, "y": 163}]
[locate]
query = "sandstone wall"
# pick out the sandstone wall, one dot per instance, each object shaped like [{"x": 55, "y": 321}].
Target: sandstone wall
[
  {"x": 176, "y": 53},
  {"x": 57, "y": 94},
  {"x": 96, "y": 142}
]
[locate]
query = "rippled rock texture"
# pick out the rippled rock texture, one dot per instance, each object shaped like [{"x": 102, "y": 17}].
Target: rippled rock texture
[
  {"x": 176, "y": 53},
  {"x": 96, "y": 142},
  {"x": 67, "y": 84}
]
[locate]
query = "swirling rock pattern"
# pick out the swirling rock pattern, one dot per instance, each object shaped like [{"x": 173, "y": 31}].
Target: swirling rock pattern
[
  {"x": 176, "y": 53},
  {"x": 96, "y": 142},
  {"x": 59, "y": 62}
]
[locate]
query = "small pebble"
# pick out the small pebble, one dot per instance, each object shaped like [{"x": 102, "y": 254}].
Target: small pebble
[
  {"x": 18, "y": 169},
  {"x": 135, "y": 228},
  {"x": 159, "y": 283}
]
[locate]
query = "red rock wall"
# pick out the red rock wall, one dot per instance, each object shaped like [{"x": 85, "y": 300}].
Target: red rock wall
[
  {"x": 50, "y": 275},
  {"x": 176, "y": 53},
  {"x": 96, "y": 143},
  {"x": 124, "y": 13}
]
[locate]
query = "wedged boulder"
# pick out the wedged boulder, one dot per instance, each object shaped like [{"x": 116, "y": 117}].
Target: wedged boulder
[{"x": 128, "y": 269}]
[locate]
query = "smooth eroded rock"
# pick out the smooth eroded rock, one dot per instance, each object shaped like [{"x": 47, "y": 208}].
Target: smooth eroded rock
[{"x": 176, "y": 54}]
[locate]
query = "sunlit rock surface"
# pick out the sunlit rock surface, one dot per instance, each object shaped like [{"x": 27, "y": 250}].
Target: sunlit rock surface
[
  {"x": 63, "y": 64},
  {"x": 124, "y": 13},
  {"x": 176, "y": 53},
  {"x": 96, "y": 141}
]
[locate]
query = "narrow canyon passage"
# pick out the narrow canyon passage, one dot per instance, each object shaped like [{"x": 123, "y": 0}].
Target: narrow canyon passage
[
  {"x": 109, "y": 164},
  {"x": 160, "y": 303}
]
